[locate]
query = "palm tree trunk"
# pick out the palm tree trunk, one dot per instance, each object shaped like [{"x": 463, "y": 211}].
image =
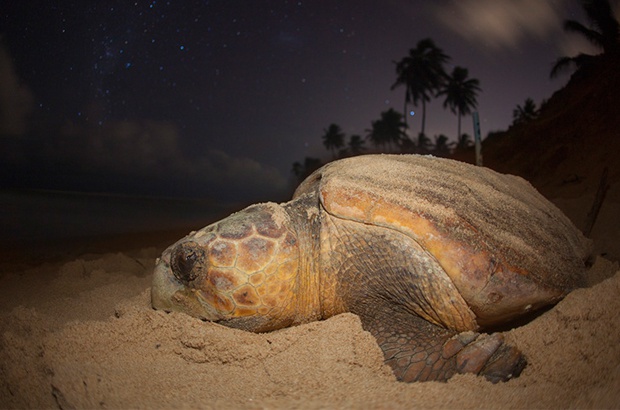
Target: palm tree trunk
[
  {"x": 423, "y": 114},
  {"x": 405, "y": 112},
  {"x": 406, "y": 126},
  {"x": 458, "y": 130}
]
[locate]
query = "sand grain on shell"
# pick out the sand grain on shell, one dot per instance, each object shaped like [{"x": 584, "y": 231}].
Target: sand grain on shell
[{"x": 471, "y": 205}]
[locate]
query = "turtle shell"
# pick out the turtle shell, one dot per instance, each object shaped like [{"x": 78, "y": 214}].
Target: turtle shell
[{"x": 505, "y": 247}]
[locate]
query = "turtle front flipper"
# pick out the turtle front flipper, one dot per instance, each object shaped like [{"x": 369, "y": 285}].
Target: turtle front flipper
[
  {"x": 407, "y": 301},
  {"x": 420, "y": 351}
]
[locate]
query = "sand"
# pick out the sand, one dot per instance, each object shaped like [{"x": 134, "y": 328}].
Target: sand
[{"x": 78, "y": 331}]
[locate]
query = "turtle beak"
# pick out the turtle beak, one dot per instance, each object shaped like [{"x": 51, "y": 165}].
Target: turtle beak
[
  {"x": 168, "y": 293},
  {"x": 165, "y": 286}
]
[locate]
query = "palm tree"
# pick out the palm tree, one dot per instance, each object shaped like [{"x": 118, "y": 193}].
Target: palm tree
[
  {"x": 301, "y": 171},
  {"x": 604, "y": 33},
  {"x": 524, "y": 113},
  {"x": 460, "y": 93},
  {"x": 333, "y": 138},
  {"x": 424, "y": 144},
  {"x": 388, "y": 129},
  {"x": 356, "y": 145},
  {"x": 377, "y": 135},
  {"x": 422, "y": 73},
  {"x": 463, "y": 142},
  {"x": 442, "y": 147}
]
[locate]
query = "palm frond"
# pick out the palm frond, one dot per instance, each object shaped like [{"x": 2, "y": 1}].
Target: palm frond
[
  {"x": 603, "y": 32},
  {"x": 564, "y": 63},
  {"x": 592, "y": 36}
]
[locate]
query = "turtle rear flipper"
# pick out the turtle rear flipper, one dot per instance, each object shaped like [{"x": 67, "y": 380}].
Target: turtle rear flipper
[
  {"x": 421, "y": 351},
  {"x": 408, "y": 303},
  {"x": 506, "y": 363}
]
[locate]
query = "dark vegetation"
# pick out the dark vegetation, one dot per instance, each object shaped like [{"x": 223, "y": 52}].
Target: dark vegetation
[
  {"x": 564, "y": 146},
  {"x": 423, "y": 77},
  {"x": 543, "y": 144}
]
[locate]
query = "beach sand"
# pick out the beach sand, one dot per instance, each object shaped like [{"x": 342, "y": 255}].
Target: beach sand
[{"x": 77, "y": 331}]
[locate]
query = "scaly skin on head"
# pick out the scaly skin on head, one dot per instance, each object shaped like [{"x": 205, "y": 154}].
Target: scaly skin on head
[{"x": 253, "y": 270}]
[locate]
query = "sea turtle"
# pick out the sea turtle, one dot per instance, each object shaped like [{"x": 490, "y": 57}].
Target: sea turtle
[{"x": 427, "y": 251}]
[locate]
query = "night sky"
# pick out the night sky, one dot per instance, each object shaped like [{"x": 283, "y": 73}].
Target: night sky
[{"x": 218, "y": 98}]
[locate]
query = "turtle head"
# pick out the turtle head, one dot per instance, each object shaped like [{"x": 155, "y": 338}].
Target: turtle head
[{"x": 241, "y": 271}]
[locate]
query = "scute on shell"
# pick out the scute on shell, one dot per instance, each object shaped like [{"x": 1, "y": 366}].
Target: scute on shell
[{"x": 502, "y": 243}]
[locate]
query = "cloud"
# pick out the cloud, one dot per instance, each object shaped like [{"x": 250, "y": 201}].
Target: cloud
[
  {"x": 144, "y": 157},
  {"x": 16, "y": 100},
  {"x": 571, "y": 44},
  {"x": 218, "y": 168},
  {"x": 130, "y": 147},
  {"x": 501, "y": 23}
]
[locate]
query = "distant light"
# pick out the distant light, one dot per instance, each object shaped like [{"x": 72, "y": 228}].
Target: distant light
[
  {"x": 182, "y": 47},
  {"x": 411, "y": 113}
]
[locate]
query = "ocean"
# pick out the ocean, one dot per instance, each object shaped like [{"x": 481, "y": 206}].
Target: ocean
[{"x": 56, "y": 215}]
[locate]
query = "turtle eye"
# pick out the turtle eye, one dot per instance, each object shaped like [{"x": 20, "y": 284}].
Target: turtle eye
[{"x": 187, "y": 260}]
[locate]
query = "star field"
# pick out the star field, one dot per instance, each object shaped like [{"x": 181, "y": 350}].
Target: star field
[{"x": 231, "y": 93}]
